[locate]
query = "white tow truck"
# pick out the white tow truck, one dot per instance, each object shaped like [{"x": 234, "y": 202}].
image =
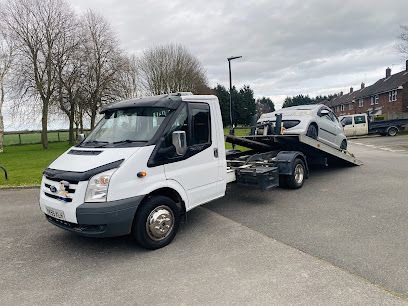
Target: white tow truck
[{"x": 151, "y": 160}]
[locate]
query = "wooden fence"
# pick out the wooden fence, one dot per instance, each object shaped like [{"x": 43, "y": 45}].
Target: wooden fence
[{"x": 34, "y": 137}]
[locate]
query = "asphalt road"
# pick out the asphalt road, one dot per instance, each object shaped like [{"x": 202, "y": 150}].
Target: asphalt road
[
  {"x": 355, "y": 218},
  {"x": 341, "y": 239}
]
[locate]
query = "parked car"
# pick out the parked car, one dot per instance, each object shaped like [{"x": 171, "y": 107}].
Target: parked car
[
  {"x": 360, "y": 124},
  {"x": 316, "y": 121}
]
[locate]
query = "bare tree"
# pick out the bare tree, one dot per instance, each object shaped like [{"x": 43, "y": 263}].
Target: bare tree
[
  {"x": 36, "y": 26},
  {"x": 104, "y": 61},
  {"x": 127, "y": 79},
  {"x": 171, "y": 68},
  {"x": 6, "y": 59},
  {"x": 69, "y": 62},
  {"x": 403, "y": 46}
]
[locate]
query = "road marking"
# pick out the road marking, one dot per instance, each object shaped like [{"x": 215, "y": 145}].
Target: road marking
[{"x": 384, "y": 148}]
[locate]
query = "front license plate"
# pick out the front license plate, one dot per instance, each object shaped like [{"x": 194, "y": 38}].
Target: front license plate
[{"x": 55, "y": 213}]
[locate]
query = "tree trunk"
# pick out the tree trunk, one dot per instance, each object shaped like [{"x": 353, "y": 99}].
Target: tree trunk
[
  {"x": 44, "y": 125},
  {"x": 1, "y": 118},
  {"x": 1, "y": 132},
  {"x": 93, "y": 117},
  {"x": 71, "y": 127}
]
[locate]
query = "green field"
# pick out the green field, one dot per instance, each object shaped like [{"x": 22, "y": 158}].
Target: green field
[
  {"x": 33, "y": 138},
  {"x": 238, "y": 132},
  {"x": 25, "y": 163}
]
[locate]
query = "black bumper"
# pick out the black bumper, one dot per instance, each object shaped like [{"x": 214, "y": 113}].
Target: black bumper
[{"x": 108, "y": 219}]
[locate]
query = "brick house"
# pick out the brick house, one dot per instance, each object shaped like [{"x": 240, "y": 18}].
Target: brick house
[{"x": 388, "y": 97}]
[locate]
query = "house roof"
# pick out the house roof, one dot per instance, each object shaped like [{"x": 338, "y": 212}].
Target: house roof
[{"x": 382, "y": 85}]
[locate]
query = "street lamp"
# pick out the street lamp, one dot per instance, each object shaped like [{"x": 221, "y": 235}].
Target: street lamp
[{"x": 230, "y": 81}]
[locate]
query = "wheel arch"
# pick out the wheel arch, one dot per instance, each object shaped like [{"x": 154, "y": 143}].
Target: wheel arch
[
  {"x": 312, "y": 123},
  {"x": 285, "y": 161},
  {"x": 170, "y": 189}
]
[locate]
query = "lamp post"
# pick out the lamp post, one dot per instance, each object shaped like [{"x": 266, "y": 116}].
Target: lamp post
[{"x": 230, "y": 81}]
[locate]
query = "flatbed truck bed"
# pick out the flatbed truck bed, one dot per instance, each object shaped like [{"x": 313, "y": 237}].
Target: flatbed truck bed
[{"x": 315, "y": 151}]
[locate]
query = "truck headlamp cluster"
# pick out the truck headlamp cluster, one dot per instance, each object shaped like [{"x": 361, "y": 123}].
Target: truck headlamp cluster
[{"x": 97, "y": 190}]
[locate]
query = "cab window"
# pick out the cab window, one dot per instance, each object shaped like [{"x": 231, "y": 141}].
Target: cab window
[
  {"x": 347, "y": 121},
  {"x": 179, "y": 124},
  {"x": 200, "y": 123},
  {"x": 359, "y": 119}
]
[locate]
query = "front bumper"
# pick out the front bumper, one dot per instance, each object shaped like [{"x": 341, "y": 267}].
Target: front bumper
[{"x": 108, "y": 219}]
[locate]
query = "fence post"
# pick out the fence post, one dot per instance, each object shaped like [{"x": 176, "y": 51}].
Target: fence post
[
  {"x": 58, "y": 136},
  {"x": 19, "y": 139}
]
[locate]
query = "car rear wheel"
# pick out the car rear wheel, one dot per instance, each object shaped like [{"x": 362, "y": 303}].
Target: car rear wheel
[
  {"x": 343, "y": 145},
  {"x": 312, "y": 131},
  {"x": 156, "y": 222}
]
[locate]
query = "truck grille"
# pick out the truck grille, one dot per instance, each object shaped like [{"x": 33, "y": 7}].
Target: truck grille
[{"x": 63, "y": 191}]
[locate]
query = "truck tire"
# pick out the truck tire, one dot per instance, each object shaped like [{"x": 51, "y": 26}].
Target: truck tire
[
  {"x": 392, "y": 131},
  {"x": 296, "y": 179},
  {"x": 156, "y": 222},
  {"x": 312, "y": 131}
]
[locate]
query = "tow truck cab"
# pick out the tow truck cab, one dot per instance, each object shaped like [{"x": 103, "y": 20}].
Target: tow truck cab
[{"x": 166, "y": 152}]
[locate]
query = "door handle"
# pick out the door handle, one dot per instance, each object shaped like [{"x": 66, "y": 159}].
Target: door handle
[{"x": 216, "y": 152}]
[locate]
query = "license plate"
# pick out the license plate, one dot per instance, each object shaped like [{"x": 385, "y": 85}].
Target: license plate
[{"x": 55, "y": 213}]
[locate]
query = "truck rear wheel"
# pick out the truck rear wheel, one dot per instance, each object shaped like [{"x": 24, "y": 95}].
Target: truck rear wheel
[
  {"x": 156, "y": 222},
  {"x": 392, "y": 131},
  {"x": 296, "y": 179}
]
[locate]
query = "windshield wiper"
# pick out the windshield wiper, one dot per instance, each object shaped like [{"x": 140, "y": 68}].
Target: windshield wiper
[{"x": 128, "y": 141}]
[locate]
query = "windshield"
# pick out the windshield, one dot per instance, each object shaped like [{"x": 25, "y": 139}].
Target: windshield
[{"x": 126, "y": 126}]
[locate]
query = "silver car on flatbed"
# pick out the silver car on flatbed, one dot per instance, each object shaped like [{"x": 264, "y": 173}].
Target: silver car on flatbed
[{"x": 316, "y": 121}]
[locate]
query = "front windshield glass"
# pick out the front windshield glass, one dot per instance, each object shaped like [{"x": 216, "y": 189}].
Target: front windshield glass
[{"x": 126, "y": 126}]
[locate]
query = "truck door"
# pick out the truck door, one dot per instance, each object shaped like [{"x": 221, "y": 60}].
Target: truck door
[
  {"x": 348, "y": 126},
  {"x": 360, "y": 125},
  {"x": 197, "y": 171}
]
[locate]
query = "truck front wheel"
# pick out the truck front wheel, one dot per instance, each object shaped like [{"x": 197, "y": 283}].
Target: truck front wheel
[
  {"x": 296, "y": 179},
  {"x": 156, "y": 222}
]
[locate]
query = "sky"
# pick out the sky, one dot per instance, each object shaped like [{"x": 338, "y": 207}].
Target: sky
[{"x": 288, "y": 47}]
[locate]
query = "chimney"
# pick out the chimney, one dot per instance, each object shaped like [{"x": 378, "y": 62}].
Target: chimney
[
  {"x": 388, "y": 72},
  {"x": 362, "y": 85},
  {"x": 351, "y": 89},
  {"x": 406, "y": 65}
]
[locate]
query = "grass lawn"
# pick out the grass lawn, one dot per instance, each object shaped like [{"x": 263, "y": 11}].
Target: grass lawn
[
  {"x": 238, "y": 132},
  {"x": 26, "y": 163},
  {"x": 33, "y": 138}
]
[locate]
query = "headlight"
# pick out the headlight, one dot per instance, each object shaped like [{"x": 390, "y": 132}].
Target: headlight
[{"x": 97, "y": 190}]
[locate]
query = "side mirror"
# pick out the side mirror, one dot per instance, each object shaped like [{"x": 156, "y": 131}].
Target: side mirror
[
  {"x": 324, "y": 112},
  {"x": 81, "y": 138},
  {"x": 179, "y": 141}
]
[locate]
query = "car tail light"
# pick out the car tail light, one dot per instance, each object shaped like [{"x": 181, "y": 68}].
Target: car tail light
[{"x": 287, "y": 124}]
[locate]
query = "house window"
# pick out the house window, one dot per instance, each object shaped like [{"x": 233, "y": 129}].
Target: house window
[
  {"x": 342, "y": 108},
  {"x": 360, "y": 103},
  {"x": 372, "y": 100},
  {"x": 390, "y": 96},
  {"x": 394, "y": 95},
  {"x": 376, "y": 99},
  {"x": 350, "y": 106}
]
